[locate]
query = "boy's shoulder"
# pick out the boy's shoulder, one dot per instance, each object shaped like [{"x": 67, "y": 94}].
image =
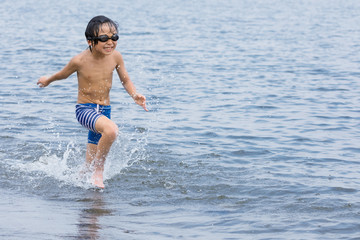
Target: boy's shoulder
[
  {"x": 117, "y": 56},
  {"x": 79, "y": 58}
]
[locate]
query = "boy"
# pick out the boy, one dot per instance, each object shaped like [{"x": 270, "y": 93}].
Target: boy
[{"x": 94, "y": 68}]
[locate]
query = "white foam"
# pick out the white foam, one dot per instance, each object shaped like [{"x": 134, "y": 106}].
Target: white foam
[
  {"x": 69, "y": 168},
  {"x": 66, "y": 169}
]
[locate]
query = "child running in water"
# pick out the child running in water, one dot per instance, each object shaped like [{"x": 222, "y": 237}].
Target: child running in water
[{"x": 94, "y": 68}]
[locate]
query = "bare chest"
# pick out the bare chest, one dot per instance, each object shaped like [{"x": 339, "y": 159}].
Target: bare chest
[{"x": 97, "y": 72}]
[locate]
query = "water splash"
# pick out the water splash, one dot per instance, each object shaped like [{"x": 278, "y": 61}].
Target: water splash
[
  {"x": 66, "y": 168},
  {"x": 127, "y": 150},
  {"x": 66, "y": 164}
]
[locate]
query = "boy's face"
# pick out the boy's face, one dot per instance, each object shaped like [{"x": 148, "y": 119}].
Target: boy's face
[{"x": 105, "y": 48}]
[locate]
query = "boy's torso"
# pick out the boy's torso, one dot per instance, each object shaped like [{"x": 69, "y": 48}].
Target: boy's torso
[{"x": 94, "y": 78}]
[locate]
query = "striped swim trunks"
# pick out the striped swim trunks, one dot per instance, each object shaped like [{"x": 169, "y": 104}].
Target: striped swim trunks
[{"x": 87, "y": 114}]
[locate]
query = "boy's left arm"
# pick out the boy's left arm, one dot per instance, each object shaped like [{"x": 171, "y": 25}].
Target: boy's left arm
[{"x": 127, "y": 83}]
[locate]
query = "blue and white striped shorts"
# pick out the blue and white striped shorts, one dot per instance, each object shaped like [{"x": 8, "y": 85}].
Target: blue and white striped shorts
[{"x": 87, "y": 114}]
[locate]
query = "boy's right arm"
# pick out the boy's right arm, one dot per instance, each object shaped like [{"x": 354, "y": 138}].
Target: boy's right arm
[{"x": 69, "y": 69}]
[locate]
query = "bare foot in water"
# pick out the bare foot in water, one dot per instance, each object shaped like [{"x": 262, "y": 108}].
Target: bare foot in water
[{"x": 97, "y": 179}]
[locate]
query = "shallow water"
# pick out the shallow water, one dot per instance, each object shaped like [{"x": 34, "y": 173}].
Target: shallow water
[{"x": 253, "y": 129}]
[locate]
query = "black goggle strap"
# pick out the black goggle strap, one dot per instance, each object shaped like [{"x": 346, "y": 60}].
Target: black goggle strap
[{"x": 90, "y": 39}]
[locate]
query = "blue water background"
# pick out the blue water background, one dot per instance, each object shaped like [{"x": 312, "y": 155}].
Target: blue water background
[{"x": 253, "y": 129}]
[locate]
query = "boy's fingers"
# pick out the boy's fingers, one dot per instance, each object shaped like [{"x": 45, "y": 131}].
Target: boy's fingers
[
  {"x": 144, "y": 103},
  {"x": 40, "y": 84}
]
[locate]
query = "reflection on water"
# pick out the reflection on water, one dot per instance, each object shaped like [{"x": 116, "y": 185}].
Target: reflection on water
[{"x": 90, "y": 215}]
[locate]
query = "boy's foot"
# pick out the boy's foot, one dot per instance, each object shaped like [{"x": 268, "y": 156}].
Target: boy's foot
[{"x": 97, "y": 179}]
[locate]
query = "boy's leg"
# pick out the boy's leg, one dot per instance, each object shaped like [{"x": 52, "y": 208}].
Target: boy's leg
[
  {"x": 91, "y": 150},
  {"x": 109, "y": 132}
]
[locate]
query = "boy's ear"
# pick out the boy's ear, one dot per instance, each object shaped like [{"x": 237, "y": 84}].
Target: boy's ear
[{"x": 89, "y": 40}]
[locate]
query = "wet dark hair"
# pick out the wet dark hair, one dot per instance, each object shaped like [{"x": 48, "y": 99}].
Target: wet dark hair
[{"x": 93, "y": 28}]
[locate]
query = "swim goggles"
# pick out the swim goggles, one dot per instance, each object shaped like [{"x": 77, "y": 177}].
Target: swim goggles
[{"x": 105, "y": 38}]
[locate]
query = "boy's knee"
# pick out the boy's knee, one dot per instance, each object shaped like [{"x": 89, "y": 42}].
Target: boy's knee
[{"x": 112, "y": 131}]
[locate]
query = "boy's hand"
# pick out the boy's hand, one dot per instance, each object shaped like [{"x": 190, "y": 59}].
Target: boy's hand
[
  {"x": 140, "y": 100},
  {"x": 43, "y": 82}
]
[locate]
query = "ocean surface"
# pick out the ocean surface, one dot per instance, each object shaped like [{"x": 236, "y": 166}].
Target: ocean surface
[{"x": 253, "y": 130}]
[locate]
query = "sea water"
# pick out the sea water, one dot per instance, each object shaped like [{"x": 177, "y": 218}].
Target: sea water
[{"x": 253, "y": 128}]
